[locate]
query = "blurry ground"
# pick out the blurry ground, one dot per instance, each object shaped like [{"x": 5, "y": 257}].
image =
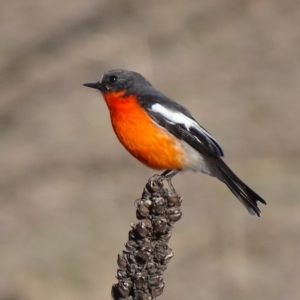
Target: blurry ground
[{"x": 67, "y": 187}]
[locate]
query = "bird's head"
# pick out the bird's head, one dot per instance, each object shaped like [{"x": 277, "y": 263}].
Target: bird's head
[{"x": 116, "y": 81}]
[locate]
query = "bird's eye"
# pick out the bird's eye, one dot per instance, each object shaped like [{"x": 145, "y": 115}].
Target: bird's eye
[{"x": 112, "y": 78}]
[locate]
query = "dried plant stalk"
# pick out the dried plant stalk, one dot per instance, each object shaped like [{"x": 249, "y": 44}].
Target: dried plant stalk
[{"x": 142, "y": 264}]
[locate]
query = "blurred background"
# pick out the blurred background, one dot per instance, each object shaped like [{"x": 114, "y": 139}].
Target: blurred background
[{"x": 67, "y": 187}]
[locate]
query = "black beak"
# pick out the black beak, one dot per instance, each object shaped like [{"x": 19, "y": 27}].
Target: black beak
[{"x": 96, "y": 85}]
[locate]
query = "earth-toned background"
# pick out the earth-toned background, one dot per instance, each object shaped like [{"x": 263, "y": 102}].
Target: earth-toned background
[{"x": 67, "y": 187}]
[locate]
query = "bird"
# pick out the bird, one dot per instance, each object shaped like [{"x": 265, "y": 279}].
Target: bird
[{"x": 163, "y": 135}]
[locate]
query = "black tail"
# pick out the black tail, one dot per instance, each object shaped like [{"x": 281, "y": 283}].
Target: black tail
[{"x": 247, "y": 196}]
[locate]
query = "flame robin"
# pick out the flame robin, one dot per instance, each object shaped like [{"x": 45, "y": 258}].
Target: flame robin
[{"x": 163, "y": 135}]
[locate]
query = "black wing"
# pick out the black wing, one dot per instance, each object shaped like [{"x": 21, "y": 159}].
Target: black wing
[{"x": 179, "y": 121}]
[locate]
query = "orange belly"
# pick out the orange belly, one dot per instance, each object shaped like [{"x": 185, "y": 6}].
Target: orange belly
[{"x": 147, "y": 142}]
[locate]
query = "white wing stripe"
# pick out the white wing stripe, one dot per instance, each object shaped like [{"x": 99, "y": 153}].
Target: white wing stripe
[{"x": 178, "y": 118}]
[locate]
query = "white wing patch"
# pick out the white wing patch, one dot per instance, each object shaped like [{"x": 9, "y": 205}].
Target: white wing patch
[
  {"x": 179, "y": 118},
  {"x": 176, "y": 117}
]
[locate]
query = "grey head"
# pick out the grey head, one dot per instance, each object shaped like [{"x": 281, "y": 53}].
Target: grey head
[{"x": 118, "y": 80}]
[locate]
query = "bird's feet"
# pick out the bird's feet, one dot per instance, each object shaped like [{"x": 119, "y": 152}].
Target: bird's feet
[{"x": 168, "y": 175}]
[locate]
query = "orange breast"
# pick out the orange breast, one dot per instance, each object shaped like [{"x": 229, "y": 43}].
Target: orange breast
[{"x": 147, "y": 142}]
